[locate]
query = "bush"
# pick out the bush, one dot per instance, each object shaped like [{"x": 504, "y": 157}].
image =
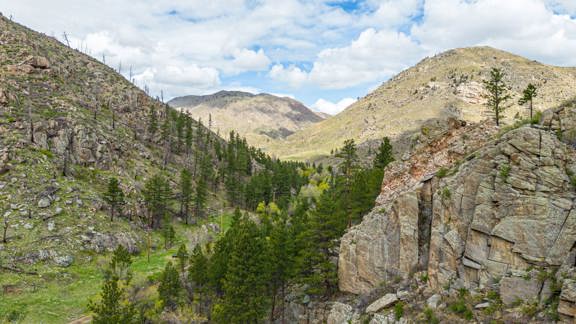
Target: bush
[
  {"x": 399, "y": 310},
  {"x": 536, "y": 118},
  {"x": 461, "y": 309},
  {"x": 504, "y": 171},
  {"x": 442, "y": 172},
  {"x": 430, "y": 317},
  {"x": 445, "y": 194}
]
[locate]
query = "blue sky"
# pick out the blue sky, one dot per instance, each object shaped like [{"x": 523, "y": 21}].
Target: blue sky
[{"x": 325, "y": 53}]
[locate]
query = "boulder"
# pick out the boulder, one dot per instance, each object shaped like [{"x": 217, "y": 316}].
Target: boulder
[
  {"x": 40, "y": 62},
  {"x": 44, "y": 202},
  {"x": 381, "y": 303},
  {"x": 567, "y": 305},
  {"x": 340, "y": 313},
  {"x": 517, "y": 288},
  {"x": 63, "y": 261},
  {"x": 434, "y": 301}
]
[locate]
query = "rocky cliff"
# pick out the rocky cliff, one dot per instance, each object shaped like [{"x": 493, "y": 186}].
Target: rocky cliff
[{"x": 476, "y": 209}]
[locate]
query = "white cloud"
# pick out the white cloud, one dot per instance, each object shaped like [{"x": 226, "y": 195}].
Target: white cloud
[
  {"x": 374, "y": 55},
  {"x": 292, "y": 75},
  {"x": 332, "y": 108},
  {"x": 526, "y": 27},
  {"x": 193, "y": 46},
  {"x": 248, "y": 60}
]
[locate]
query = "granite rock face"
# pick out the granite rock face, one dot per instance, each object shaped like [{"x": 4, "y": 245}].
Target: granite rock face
[{"x": 480, "y": 213}]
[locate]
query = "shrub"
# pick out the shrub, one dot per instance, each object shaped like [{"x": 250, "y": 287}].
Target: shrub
[
  {"x": 530, "y": 310},
  {"x": 442, "y": 172},
  {"x": 504, "y": 171},
  {"x": 536, "y": 118},
  {"x": 445, "y": 194},
  {"x": 430, "y": 317},
  {"x": 399, "y": 310},
  {"x": 460, "y": 308}
]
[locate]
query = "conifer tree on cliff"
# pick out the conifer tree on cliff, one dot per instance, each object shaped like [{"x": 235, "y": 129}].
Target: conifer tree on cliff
[
  {"x": 496, "y": 94},
  {"x": 528, "y": 96}
]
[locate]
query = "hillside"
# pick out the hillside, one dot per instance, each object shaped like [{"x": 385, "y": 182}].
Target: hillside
[
  {"x": 446, "y": 85},
  {"x": 68, "y": 126},
  {"x": 261, "y": 118}
]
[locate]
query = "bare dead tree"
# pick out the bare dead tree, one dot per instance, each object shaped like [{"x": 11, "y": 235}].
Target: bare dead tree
[
  {"x": 66, "y": 39},
  {"x": 4, "y": 239},
  {"x": 103, "y": 58},
  {"x": 31, "y": 123},
  {"x": 120, "y": 67},
  {"x": 67, "y": 151},
  {"x": 130, "y": 73},
  {"x": 113, "y": 116}
]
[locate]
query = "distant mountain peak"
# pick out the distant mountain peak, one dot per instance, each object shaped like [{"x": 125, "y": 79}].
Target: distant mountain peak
[{"x": 261, "y": 118}]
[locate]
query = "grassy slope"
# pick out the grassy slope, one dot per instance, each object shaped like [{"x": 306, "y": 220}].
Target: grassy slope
[
  {"x": 59, "y": 295},
  {"x": 70, "y": 91}
]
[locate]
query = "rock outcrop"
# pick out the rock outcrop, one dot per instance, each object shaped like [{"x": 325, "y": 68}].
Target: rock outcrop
[{"x": 492, "y": 214}]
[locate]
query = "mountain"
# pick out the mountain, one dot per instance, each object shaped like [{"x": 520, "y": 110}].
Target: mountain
[
  {"x": 446, "y": 85},
  {"x": 261, "y": 118},
  {"x": 74, "y": 133}
]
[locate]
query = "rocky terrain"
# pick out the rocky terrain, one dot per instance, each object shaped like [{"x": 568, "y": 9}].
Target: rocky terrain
[
  {"x": 446, "y": 85},
  {"x": 67, "y": 124},
  {"x": 261, "y": 118},
  {"x": 477, "y": 224}
]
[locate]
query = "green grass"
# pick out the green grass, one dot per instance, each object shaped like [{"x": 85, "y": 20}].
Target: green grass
[{"x": 61, "y": 295}]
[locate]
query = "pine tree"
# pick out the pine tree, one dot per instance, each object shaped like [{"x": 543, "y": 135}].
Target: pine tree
[
  {"x": 168, "y": 234},
  {"x": 325, "y": 225},
  {"x": 112, "y": 308},
  {"x": 170, "y": 288},
  {"x": 198, "y": 275},
  {"x": 114, "y": 197},
  {"x": 282, "y": 260},
  {"x": 200, "y": 197},
  {"x": 497, "y": 93},
  {"x": 156, "y": 195},
  {"x": 120, "y": 265},
  {"x": 528, "y": 96},
  {"x": 347, "y": 168},
  {"x": 385, "y": 155},
  {"x": 245, "y": 297},
  {"x": 182, "y": 256},
  {"x": 185, "y": 193}
]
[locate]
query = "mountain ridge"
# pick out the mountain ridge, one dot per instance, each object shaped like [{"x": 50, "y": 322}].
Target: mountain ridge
[
  {"x": 261, "y": 118},
  {"x": 448, "y": 84}
]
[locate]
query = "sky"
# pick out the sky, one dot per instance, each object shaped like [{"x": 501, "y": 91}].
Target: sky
[{"x": 324, "y": 53}]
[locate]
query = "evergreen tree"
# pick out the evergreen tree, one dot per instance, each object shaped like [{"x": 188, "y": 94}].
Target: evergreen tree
[
  {"x": 385, "y": 155},
  {"x": 185, "y": 193},
  {"x": 156, "y": 195},
  {"x": 528, "y": 96},
  {"x": 326, "y": 224},
  {"x": 282, "y": 260},
  {"x": 170, "y": 288},
  {"x": 347, "y": 168},
  {"x": 168, "y": 234},
  {"x": 245, "y": 297},
  {"x": 120, "y": 265},
  {"x": 198, "y": 275},
  {"x": 182, "y": 256},
  {"x": 114, "y": 197},
  {"x": 497, "y": 93},
  {"x": 113, "y": 307},
  {"x": 200, "y": 197}
]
